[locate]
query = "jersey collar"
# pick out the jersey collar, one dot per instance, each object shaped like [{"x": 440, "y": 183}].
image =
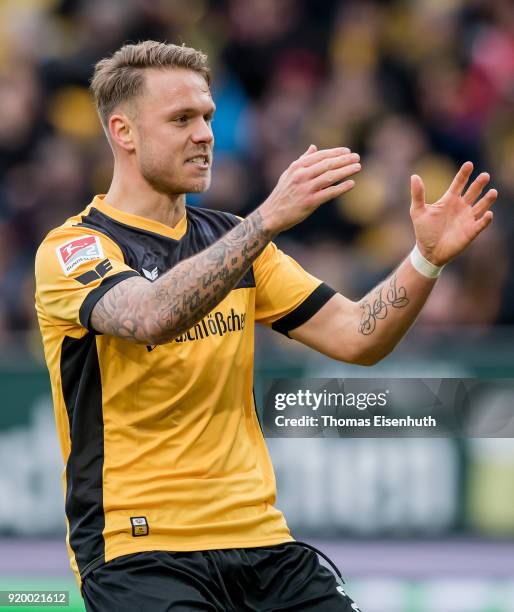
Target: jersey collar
[{"x": 141, "y": 222}]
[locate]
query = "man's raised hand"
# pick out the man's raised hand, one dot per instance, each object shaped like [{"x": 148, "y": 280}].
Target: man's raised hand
[
  {"x": 445, "y": 228},
  {"x": 313, "y": 179}
]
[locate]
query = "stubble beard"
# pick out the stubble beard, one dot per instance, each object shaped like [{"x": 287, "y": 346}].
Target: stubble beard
[{"x": 162, "y": 181}]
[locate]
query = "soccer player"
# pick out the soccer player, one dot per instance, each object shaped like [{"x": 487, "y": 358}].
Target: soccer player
[{"x": 147, "y": 311}]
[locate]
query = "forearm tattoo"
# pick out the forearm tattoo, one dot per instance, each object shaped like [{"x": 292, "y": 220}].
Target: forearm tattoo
[
  {"x": 379, "y": 303},
  {"x": 160, "y": 311}
]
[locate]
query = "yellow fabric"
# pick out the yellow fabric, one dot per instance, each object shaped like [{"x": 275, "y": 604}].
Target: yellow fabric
[
  {"x": 59, "y": 297},
  {"x": 282, "y": 285},
  {"x": 182, "y": 442}
]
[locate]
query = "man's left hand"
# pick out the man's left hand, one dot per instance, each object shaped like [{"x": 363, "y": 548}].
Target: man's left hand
[{"x": 445, "y": 228}]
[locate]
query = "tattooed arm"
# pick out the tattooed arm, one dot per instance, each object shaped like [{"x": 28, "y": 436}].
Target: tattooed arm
[
  {"x": 366, "y": 331},
  {"x": 155, "y": 313}
]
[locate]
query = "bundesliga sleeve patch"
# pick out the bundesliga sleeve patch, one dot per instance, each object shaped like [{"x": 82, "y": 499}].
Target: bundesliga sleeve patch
[{"x": 72, "y": 254}]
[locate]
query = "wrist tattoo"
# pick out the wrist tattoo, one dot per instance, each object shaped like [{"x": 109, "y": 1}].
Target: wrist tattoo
[{"x": 385, "y": 298}]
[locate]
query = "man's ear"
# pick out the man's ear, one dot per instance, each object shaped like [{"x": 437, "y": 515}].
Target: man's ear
[{"x": 121, "y": 131}]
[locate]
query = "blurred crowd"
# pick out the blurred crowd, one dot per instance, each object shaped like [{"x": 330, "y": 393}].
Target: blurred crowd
[{"x": 414, "y": 86}]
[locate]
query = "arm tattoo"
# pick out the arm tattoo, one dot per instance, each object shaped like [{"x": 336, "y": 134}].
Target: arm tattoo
[
  {"x": 380, "y": 306},
  {"x": 154, "y": 313}
]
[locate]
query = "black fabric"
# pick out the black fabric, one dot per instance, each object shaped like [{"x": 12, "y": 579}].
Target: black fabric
[
  {"x": 82, "y": 392},
  {"x": 305, "y": 310},
  {"x": 93, "y": 296},
  {"x": 324, "y": 556},
  {"x": 286, "y": 577},
  {"x": 145, "y": 249}
]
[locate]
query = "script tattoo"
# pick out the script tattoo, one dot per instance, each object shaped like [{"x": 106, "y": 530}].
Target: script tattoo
[
  {"x": 378, "y": 306},
  {"x": 154, "y": 313}
]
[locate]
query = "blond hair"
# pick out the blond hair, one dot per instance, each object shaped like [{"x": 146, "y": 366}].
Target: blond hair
[{"x": 120, "y": 77}]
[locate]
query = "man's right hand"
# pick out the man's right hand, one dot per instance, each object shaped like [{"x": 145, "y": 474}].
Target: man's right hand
[{"x": 313, "y": 179}]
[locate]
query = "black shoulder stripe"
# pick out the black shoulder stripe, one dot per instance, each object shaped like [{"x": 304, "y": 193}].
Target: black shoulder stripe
[
  {"x": 302, "y": 313},
  {"x": 93, "y": 296}
]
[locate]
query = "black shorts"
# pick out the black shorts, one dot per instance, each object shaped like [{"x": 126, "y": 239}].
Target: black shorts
[{"x": 283, "y": 577}]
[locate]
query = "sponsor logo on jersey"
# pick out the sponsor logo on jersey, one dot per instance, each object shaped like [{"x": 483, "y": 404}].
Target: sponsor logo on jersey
[
  {"x": 214, "y": 324},
  {"x": 76, "y": 252}
]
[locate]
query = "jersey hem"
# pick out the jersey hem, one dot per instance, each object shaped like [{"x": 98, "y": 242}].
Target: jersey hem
[
  {"x": 204, "y": 546},
  {"x": 99, "y": 561}
]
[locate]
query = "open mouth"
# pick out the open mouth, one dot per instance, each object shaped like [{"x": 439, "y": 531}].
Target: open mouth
[{"x": 201, "y": 161}]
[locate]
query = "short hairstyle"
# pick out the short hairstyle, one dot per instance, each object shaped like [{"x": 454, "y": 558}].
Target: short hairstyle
[{"x": 120, "y": 77}]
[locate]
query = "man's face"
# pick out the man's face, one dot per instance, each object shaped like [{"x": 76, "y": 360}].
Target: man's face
[{"x": 173, "y": 135}]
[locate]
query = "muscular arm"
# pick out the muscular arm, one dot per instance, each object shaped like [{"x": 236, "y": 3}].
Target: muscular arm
[
  {"x": 154, "y": 313},
  {"x": 366, "y": 331}
]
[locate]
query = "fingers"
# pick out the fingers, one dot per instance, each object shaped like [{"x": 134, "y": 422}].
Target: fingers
[
  {"x": 417, "y": 190},
  {"x": 483, "y": 215},
  {"x": 312, "y": 149},
  {"x": 483, "y": 222},
  {"x": 334, "y": 191},
  {"x": 327, "y": 179},
  {"x": 326, "y": 166},
  {"x": 313, "y": 158},
  {"x": 461, "y": 178},
  {"x": 476, "y": 188},
  {"x": 484, "y": 203}
]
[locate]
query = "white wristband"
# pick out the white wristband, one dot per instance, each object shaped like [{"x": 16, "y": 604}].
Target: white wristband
[{"x": 422, "y": 265}]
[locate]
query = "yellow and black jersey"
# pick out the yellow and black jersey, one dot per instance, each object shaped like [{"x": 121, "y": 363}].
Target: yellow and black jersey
[{"x": 161, "y": 445}]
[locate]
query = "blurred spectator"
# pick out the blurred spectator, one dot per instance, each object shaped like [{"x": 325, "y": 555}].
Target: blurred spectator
[{"x": 412, "y": 85}]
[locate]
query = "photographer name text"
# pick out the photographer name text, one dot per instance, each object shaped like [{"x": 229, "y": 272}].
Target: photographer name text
[{"x": 326, "y": 420}]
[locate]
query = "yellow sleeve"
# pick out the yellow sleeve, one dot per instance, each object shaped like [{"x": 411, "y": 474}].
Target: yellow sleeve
[
  {"x": 287, "y": 296},
  {"x": 74, "y": 268}
]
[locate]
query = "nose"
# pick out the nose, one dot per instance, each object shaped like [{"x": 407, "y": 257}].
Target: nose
[{"x": 202, "y": 132}]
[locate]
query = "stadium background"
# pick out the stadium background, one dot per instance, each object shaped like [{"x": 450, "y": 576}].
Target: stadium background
[{"x": 420, "y": 86}]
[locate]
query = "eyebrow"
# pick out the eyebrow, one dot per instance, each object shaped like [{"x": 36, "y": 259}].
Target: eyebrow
[{"x": 190, "y": 111}]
